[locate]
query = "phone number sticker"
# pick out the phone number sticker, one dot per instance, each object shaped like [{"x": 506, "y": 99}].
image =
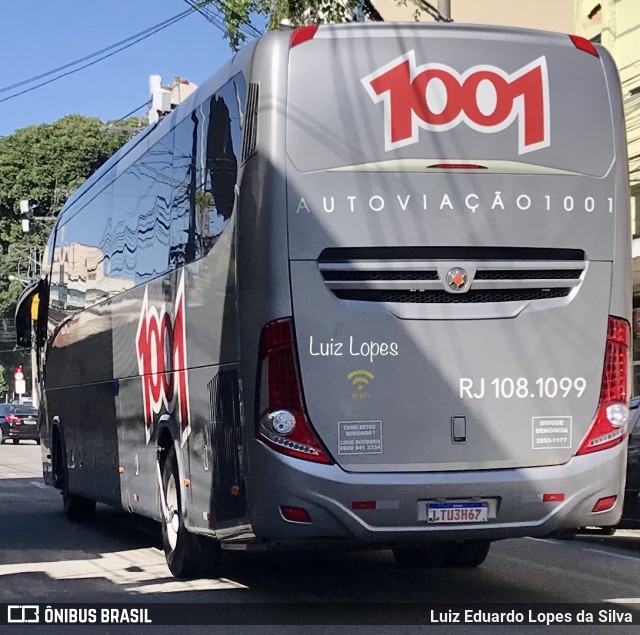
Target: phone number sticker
[
  {"x": 551, "y": 433},
  {"x": 522, "y": 388}
]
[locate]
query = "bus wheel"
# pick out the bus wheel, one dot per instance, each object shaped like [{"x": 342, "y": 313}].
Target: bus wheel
[
  {"x": 76, "y": 508},
  {"x": 467, "y": 554},
  {"x": 188, "y": 555},
  {"x": 430, "y": 556}
]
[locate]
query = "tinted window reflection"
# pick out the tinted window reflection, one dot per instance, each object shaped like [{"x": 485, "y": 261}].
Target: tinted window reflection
[
  {"x": 156, "y": 189},
  {"x": 205, "y": 167},
  {"x": 80, "y": 264},
  {"x": 166, "y": 210}
]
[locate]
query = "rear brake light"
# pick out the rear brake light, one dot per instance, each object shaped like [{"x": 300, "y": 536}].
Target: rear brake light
[
  {"x": 295, "y": 514},
  {"x": 553, "y": 498},
  {"x": 358, "y": 505},
  {"x": 303, "y": 34},
  {"x": 457, "y": 166},
  {"x": 281, "y": 420},
  {"x": 584, "y": 45},
  {"x": 609, "y": 426},
  {"x": 604, "y": 504},
  {"x": 13, "y": 419}
]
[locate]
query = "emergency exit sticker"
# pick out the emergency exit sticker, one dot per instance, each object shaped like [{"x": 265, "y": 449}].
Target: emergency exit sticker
[
  {"x": 360, "y": 437},
  {"x": 551, "y": 433}
]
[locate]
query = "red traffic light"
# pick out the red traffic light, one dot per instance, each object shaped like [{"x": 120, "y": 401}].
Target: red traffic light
[{"x": 18, "y": 374}]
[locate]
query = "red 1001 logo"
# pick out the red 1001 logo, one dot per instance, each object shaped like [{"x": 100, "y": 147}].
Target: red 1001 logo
[
  {"x": 438, "y": 98},
  {"x": 161, "y": 349}
]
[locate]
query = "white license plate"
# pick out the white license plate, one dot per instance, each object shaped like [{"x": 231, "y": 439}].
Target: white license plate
[
  {"x": 29, "y": 422},
  {"x": 457, "y": 513}
]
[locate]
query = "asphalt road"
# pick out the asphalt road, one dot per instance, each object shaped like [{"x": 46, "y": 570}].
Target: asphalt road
[{"x": 118, "y": 558}]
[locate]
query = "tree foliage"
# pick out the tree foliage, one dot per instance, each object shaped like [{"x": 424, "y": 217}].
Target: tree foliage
[
  {"x": 237, "y": 13},
  {"x": 43, "y": 164}
]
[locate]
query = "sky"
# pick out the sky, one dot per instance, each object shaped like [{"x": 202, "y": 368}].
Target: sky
[{"x": 39, "y": 35}]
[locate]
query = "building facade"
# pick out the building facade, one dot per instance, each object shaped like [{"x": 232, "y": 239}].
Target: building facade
[
  {"x": 616, "y": 25},
  {"x": 550, "y": 15}
]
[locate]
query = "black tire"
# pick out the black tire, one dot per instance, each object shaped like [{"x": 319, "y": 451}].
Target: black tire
[
  {"x": 427, "y": 556},
  {"x": 567, "y": 534},
  {"x": 188, "y": 555},
  {"x": 467, "y": 554},
  {"x": 37, "y": 441},
  {"x": 15, "y": 441},
  {"x": 76, "y": 508},
  {"x": 2, "y": 439}
]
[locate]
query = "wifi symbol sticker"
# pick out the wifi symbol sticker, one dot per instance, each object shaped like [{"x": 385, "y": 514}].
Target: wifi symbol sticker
[{"x": 360, "y": 378}]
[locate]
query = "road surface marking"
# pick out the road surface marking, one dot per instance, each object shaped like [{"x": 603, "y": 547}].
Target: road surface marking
[
  {"x": 611, "y": 553},
  {"x": 549, "y": 540}
]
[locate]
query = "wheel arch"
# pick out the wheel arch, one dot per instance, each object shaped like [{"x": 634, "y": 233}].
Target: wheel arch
[{"x": 168, "y": 437}]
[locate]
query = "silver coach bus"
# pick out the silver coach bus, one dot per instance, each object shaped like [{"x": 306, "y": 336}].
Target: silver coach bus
[{"x": 369, "y": 286}]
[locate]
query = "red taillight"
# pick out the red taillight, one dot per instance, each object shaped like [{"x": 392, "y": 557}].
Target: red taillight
[
  {"x": 13, "y": 420},
  {"x": 457, "y": 166},
  {"x": 282, "y": 421},
  {"x": 584, "y": 45},
  {"x": 604, "y": 504},
  {"x": 553, "y": 498},
  {"x": 295, "y": 514},
  {"x": 357, "y": 505},
  {"x": 609, "y": 427},
  {"x": 303, "y": 34}
]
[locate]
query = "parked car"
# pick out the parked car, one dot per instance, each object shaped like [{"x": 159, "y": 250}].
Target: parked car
[
  {"x": 18, "y": 422},
  {"x": 631, "y": 508}
]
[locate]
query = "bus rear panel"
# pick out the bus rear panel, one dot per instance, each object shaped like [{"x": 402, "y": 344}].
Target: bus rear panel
[{"x": 455, "y": 363}]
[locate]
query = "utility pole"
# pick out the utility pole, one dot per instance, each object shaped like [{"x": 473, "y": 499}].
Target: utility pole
[{"x": 444, "y": 8}]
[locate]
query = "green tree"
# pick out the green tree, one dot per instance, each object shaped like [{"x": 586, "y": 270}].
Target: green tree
[
  {"x": 43, "y": 164},
  {"x": 237, "y": 14}
]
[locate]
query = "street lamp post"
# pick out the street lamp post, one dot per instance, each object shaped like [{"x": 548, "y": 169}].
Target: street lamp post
[
  {"x": 34, "y": 361},
  {"x": 22, "y": 281},
  {"x": 444, "y": 8}
]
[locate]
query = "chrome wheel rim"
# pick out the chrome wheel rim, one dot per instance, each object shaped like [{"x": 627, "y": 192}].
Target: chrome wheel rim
[{"x": 173, "y": 521}]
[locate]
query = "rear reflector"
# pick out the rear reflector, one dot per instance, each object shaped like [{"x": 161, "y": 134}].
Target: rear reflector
[
  {"x": 303, "y": 34},
  {"x": 609, "y": 426},
  {"x": 295, "y": 514},
  {"x": 604, "y": 504},
  {"x": 363, "y": 505},
  {"x": 584, "y": 45},
  {"x": 280, "y": 397},
  {"x": 552, "y": 498}
]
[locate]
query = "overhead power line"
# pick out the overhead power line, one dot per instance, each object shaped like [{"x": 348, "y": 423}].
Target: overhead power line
[
  {"x": 204, "y": 8},
  {"x": 135, "y": 110},
  {"x": 92, "y": 55},
  {"x": 108, "y": 52}
]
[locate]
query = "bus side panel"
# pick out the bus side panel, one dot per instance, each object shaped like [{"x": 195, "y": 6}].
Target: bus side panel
[
  {"x": 80, "y": 394},
  {"x": 621, "y": 285},
  {"x": 216, "y": 496},
  {"x": 198, "y": 303},
  {"x": 263, "y": 267}
]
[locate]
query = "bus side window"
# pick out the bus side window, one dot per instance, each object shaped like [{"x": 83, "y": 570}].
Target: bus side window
[{"x": 223, "y": 145}]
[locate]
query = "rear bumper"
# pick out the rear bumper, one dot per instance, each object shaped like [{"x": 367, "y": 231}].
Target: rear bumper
[
  {"x": 327, "y": 493},
  {"x": 22, "y": 432}
]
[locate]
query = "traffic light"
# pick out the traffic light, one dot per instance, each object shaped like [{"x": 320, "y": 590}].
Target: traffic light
[{"x": 20, "y": 383}]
